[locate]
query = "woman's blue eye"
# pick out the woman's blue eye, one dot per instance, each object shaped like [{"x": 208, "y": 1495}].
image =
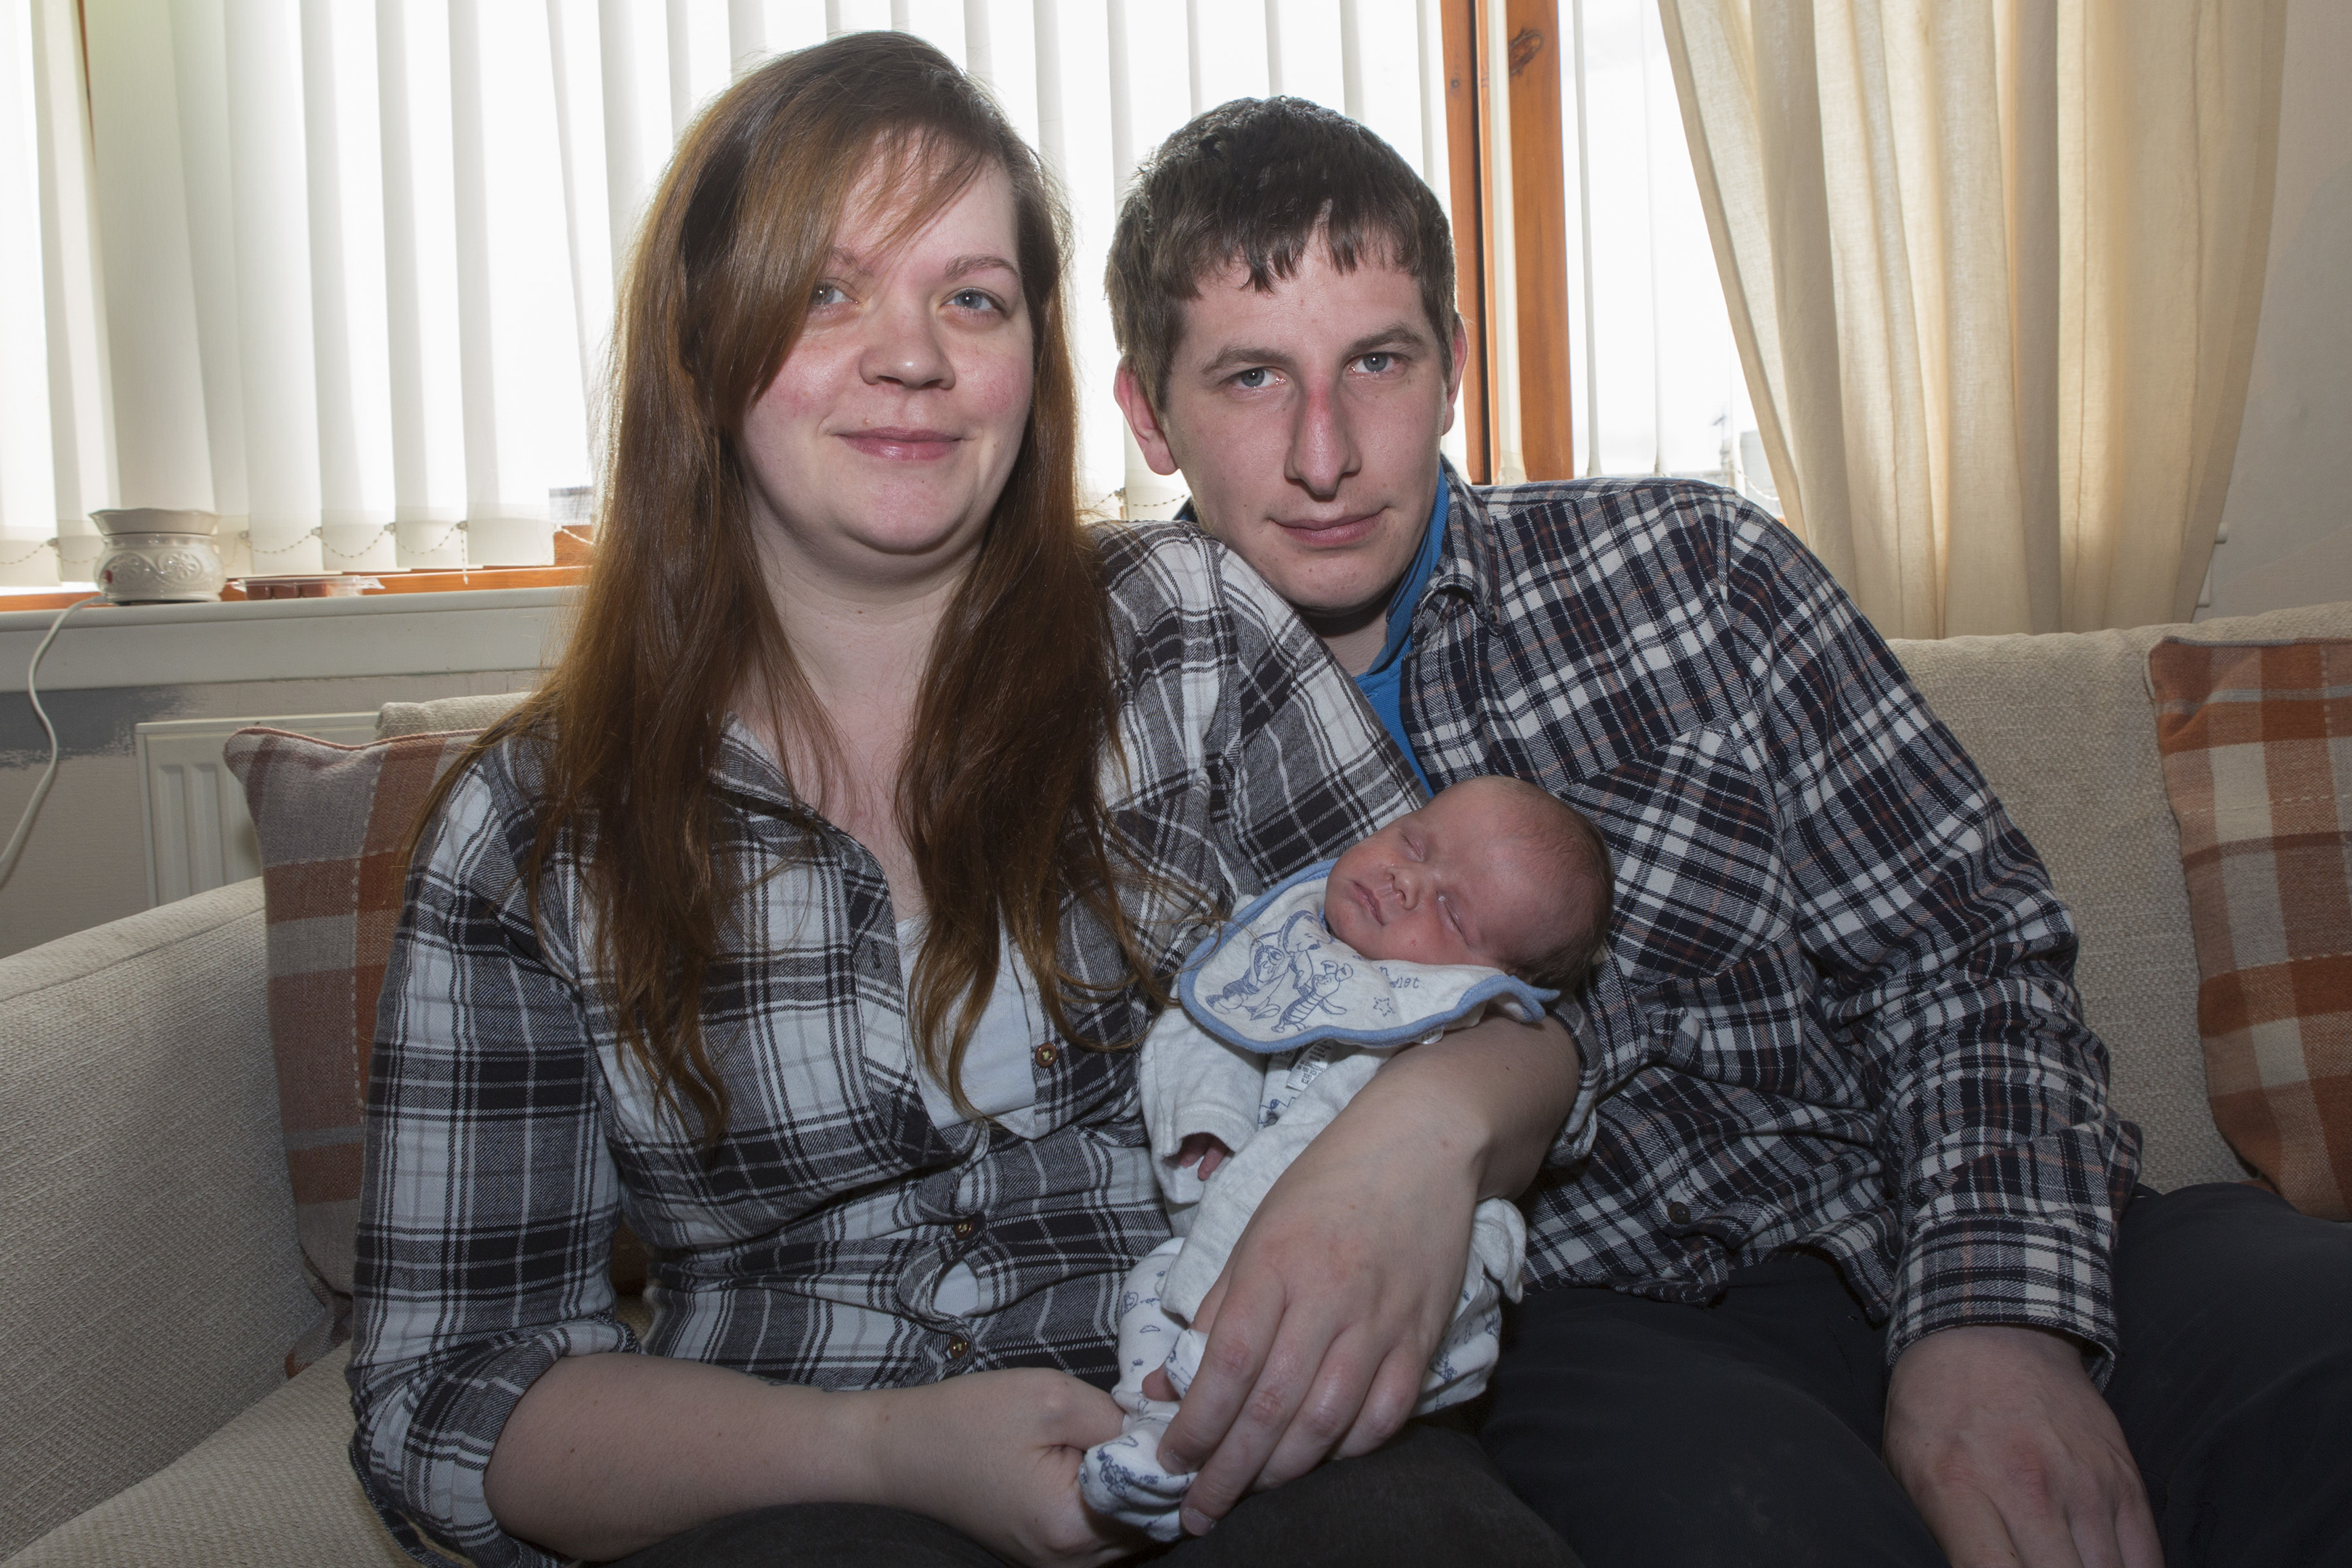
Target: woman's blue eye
[
  {"x": 974, "y": 299},
  {"x": 826, "y": 294}
]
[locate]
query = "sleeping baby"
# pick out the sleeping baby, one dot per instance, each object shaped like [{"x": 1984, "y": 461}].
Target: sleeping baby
[{"x": 1493, "y": 896}]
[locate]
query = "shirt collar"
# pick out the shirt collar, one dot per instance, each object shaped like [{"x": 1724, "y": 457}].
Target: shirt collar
[
  {"x": 1466, "y": 564},
  {"x": 1406, "y": 598},
  {"x": 745, "y": 769}
]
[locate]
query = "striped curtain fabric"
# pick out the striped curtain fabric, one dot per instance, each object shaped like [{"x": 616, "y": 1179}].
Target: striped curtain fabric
[{"x": 343, "y": 271}]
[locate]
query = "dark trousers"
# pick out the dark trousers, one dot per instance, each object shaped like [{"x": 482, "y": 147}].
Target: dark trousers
[
  {"x": 1430, "y": 1496},
  {"x": 1747, "y": 1431}
]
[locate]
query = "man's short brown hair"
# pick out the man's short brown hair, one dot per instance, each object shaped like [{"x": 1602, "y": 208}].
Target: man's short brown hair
[{"x": 1258, "y": 181}]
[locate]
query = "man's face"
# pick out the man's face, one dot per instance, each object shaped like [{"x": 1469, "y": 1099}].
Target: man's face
[{"x": 1305, "y": 421}]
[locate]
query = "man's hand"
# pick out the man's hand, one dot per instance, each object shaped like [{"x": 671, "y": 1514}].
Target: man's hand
[
  {"x": 1324, "y": 1320},
  {"x": 1319, "y": 1328},
  {"x": 996, "y": 1454},
  {"x": 2013, "y": 1457}
]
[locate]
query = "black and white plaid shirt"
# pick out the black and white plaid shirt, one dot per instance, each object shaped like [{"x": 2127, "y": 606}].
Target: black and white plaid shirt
[
  {"x": 506, "y": 1137},
  {"x": 1838, "y": 1009}
]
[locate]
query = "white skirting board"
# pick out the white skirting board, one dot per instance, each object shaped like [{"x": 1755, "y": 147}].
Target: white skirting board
[{"x": 199, "y": 835}]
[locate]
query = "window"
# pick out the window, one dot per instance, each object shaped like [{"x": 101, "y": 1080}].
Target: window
[
  {"x": 1625, "y": 359},
  {"x": 343, "y": 272}
]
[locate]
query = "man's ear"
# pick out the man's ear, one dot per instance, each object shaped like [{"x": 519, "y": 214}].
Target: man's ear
[
  {"x": 1453, "y": 383},
  {"x": 1142, "y": 418}
]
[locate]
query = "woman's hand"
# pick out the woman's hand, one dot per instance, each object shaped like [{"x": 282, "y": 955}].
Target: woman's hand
[
  {"x": 1339, "y": 1290},
  {"x": 995, "y": 1454},
  {"x": 607, "y": 1454}
]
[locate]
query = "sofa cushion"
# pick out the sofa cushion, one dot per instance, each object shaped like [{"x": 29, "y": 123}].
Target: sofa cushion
[
  {"x": 2061, "y": 726},
  {"x": 333, "y": 823},
  {"x": 146, "y": 1233},
  {"x": 444, "y": 714},
  {"x": 2257, "y": 745},
  {"x": 273, "y": 1489}
]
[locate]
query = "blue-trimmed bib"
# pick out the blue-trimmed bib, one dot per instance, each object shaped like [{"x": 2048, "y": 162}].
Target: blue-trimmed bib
[{"x": 1275, "y": 979}]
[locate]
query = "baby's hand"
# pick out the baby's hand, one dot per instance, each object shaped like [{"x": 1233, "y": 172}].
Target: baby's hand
[
  {"x": 1157, "y": 1384},
  {"x": 1204, "y": 1148}
]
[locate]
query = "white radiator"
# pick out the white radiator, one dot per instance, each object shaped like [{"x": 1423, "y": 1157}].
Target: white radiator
[{"x": 198, "y": 834}]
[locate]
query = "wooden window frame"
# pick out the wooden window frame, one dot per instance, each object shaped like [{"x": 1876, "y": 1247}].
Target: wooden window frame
[{"x": 1539, "y": 228}]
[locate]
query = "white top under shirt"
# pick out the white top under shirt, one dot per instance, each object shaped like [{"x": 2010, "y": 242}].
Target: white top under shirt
[{"x": 998, "y": 1075}]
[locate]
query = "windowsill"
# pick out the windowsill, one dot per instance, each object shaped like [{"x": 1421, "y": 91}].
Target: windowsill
[
  {"x": 482, "y": 580},
  {"x": 411, "y": 633}
]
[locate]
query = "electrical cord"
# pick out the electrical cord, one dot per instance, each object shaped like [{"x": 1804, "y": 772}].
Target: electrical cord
[{"x": 48, "y": 777}]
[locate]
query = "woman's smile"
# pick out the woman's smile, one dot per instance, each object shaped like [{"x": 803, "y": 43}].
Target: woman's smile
[{"x": 903, "y": 446}]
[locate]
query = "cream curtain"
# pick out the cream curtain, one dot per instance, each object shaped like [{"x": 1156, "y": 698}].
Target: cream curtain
[{"x": 1994, "y": 267}]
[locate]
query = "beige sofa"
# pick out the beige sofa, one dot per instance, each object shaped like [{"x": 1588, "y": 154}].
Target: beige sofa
[{"x": 147, "y": 1232}]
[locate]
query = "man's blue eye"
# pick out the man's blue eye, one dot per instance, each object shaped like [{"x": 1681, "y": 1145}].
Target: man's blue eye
[
  {"x": 1252, "y": 379},
  {"x": 1376, "y": 364}
]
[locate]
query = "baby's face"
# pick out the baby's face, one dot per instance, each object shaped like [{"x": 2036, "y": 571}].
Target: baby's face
[{"x": 1447, "y": 884}]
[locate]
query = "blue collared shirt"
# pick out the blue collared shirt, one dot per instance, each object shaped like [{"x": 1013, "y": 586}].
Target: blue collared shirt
[{"x": 1383, "y": 684}]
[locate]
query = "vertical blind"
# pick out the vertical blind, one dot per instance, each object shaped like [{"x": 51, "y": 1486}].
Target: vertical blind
[{"x": 342, "y": 272}]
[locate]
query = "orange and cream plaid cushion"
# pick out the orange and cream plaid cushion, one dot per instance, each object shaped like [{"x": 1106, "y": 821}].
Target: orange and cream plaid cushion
[
  {"x": 332, "y": 822},
  {"x": 2257, "y": 747}
]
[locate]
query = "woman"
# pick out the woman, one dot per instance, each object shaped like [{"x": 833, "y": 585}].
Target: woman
[{"x": 801, "y": 914}]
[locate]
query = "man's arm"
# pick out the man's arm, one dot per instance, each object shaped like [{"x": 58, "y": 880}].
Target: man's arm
[{"x": 1947, "y": 958}]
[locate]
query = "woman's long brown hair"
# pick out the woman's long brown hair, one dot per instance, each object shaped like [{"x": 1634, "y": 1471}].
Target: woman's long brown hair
[{"x": 998, "y": 793}]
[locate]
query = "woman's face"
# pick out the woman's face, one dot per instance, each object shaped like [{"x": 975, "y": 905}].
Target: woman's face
[{"x": 877, "y": 454}]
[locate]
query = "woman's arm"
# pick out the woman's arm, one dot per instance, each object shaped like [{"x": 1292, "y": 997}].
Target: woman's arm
[
  {"x": 608, "y": 1454},
  {"x": 1343, "y": 1283}
]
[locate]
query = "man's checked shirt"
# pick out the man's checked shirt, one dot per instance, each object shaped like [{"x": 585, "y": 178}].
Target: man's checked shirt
[
  {"x": 1837, "y": 1010},
  {"x": 503, "y": 1128}
]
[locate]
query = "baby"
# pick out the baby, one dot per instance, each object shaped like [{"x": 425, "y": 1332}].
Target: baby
[{"x": 1494, "y": 895}]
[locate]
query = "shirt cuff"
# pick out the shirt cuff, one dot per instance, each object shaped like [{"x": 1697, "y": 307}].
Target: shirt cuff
[
  {"x": 2009, "y": 1270},
  {"x": 438, "y": 1512},
  {"x": 1574, "y": 1141}
]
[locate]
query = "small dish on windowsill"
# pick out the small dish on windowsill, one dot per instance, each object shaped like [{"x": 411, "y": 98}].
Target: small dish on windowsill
[{"x": 309, "y": 585}]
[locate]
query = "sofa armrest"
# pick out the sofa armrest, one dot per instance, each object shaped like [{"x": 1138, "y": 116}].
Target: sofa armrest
[{"x": 146, "y": 1225}]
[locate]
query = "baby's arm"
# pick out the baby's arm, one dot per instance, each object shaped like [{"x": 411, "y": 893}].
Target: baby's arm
[
  {"x": 1199, "y": 1101},
  {"x": 1243, "y": 1180}
]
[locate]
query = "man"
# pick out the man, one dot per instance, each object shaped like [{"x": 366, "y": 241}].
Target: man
[{"x": 1840, "y": 1179}]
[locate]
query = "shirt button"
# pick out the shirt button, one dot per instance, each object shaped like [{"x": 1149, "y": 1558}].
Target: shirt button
[
  {"x": 1045, "y": 1054},
  {"x": 964, "y": 1227},
  {"x": 958, "y": 1348},
  {"x": 1678, "y": 1212}
]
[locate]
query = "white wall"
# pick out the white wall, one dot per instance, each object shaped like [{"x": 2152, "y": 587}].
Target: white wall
[
  {"x": 2287, "y": 524},
  {"x": 85, "y": 861}
]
